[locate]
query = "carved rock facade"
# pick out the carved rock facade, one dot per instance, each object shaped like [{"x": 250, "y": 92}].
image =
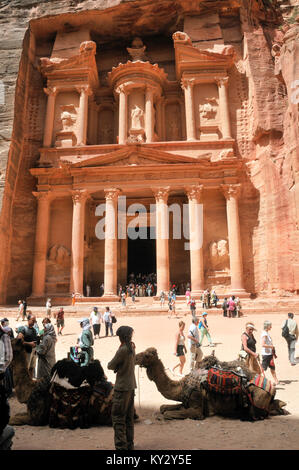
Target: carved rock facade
[{"x": 201, "y": 113}]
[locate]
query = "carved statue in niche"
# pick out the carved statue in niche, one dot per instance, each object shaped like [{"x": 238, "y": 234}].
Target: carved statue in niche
[
  {"x": 59, "y": 255},
  {"x": 208, "y": 110},
  {"x": 137, "y": 118},
  {"x": 137, "y": 50},
  {"x": 219, "y": 256},
  {"x": 67, "y": 120},
  {"x": 66, "y": 137}
]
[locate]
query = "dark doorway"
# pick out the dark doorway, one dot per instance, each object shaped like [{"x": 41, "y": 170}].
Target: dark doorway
[{"x": 142, "y": 253}]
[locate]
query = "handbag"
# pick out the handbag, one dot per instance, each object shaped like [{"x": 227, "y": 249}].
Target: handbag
[
  {"x": 114, "y": 319},
  {"x": 243, "y": 354}
]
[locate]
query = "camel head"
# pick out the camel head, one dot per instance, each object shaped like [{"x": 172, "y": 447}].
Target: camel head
[
  {"x": 147, "y": 357},
  {"x": 17, "y": 347}
]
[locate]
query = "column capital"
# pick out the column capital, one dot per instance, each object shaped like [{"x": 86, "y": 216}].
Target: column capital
[
  {"x": 51, "y": 90},
  {"x": 194, "y": 192},
  {"x": 43, "y": 196},
  {"x": 84, "y": 89},
  {"x": 231, "y": 190},
  {"x": 111, "y": 194},
  {"x": 123, "y": 88},
  {"x": 187, "y": 83},
  {"x": 161, "y": 194},
  {"x": 222, "y": 81},
  {"x": 79, "y": 196}
]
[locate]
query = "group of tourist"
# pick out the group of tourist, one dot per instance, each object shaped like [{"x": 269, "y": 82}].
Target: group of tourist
[
  {"x": 231, "y": 307},
  {"x": 40, "y": 347},
  {"x": 199, "y": 329}
]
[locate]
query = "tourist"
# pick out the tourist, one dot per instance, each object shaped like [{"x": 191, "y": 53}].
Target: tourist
[
  {"x": 162, "y": 298},
  {"x": 25, "y": 310},
  {"x": 193, "y": 343},
  {"x": 6, "y": 357},
  {"x": 6, "y": 353},
  {"x": 292, "y": 336},
  {"x": 231, "y": 307},
  {"x": 48, "y": 308},
  {"x": 238, "y": 307},
  {"x": 249, "y": 347},
  {"x": 268, "y": 350},
  {"x": 88, "y": 290},
  {"x": 149, "y": 289},
  {"x": 123, "y": 364},
  {"x": 188, "y": 296},
  {"x": 214, "y": 298},
  {"x": 108, "y": 321},
  {"x": 102, "y": 289},
  {"x": 30, "y": 339},
  {"x": 225, "y": 306},
  {"x": 208, "y": 299},
  {"x": 20, "y": 311},
  {"x": 73, "y": 298},
  {"x": 204, "y": 299},
  {"x": 45, "y": 350},
  {"x": 95, "y": 320},
  {"x": 59, "y": 316},
  {"x": 86, "y": 340},
  {"x": 171, "y": 307},
  {"x": 123, "y": 299},
  {"x": 193, "y": 307},
  {"x": 180, "y": 349},
  {"x": 204, "y": 329}
]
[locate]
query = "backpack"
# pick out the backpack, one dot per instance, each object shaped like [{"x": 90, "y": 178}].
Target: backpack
[{"x": 285, "y": 330}]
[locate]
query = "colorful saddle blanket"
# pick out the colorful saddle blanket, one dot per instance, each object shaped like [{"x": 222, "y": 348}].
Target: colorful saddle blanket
[
  {"x": 226, "y": 382},
  {"x": 266, "y": 384}
]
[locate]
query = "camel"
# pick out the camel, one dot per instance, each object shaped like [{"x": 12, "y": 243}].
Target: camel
[
  {"x": 44, "y": 398},
  {"x": 197, "y": 401}
]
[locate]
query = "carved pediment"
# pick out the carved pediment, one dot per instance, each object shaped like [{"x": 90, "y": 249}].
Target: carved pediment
[
  {"x": 189, "y": 58},
  {"x": 132, "y": 156}
]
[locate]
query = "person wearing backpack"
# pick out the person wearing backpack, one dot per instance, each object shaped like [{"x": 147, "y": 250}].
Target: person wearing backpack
[
  {"x": 290, "y": 333},
  {"x": 6, "y": 353}
]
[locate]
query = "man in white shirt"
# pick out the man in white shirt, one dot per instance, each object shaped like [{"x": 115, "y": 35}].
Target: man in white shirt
[
  {"x": 292, "y": 338},
  {"x": 48, "y": 308},
  {"x": 95, "y": 320},
  {"x": 196, "y": 353}
]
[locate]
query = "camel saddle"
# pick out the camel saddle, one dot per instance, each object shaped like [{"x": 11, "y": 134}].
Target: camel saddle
[{"x": 226, "y": 382}]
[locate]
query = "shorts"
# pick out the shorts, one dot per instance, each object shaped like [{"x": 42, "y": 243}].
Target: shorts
[
  {"x": 60, "y": 323},
  {"x": 268, "y": 361},
  {"x": 180, "y": 350}
]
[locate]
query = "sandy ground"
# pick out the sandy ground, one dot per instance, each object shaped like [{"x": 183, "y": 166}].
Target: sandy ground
[{"x": 279, "y": 432}]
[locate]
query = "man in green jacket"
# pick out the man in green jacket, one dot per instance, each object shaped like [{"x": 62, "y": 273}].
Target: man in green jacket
[{"x": 123, "y": 364}]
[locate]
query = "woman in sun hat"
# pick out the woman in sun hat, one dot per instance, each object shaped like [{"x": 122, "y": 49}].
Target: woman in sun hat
[{"x": 249, "y": 347}]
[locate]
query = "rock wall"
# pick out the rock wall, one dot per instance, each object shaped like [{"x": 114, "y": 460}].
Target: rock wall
[{"x": 265, "y": 123}]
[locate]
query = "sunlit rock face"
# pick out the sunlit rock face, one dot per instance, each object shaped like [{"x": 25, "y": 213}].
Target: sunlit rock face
[{"x": 136, "y": 96}]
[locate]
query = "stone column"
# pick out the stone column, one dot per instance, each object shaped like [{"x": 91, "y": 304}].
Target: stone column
[
  {"x": 85, "y": 92},
  {"x": 49, "y": 123},
  {"x": 162, "y": 239},
  {"x": 110, "y": 263},
  {"x": 149, "y": 114},
  {"x": 79, "y": 201},
  {"x": 231, "y": 193},
  {"x": 194, "y": 194},
  {"x": 123, "y": 115},
  {"x": 189, "y": 109},
  {"x": 41, "y": 243},
  {"x": 224, "y": 107}
]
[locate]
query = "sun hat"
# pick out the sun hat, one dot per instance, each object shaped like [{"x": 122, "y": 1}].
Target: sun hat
[{"x": 204, "y": 313}]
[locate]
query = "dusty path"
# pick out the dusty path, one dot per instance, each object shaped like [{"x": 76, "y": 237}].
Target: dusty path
[{"x": 280, "y": 432}]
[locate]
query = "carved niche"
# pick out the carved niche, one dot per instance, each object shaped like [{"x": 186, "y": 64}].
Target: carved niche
[
  {"x": 219, "y": 261},
  {"x": 58, "y": 269},
  {"x": 173, "y": 121},
  {"x": 106, "y": 125}
]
